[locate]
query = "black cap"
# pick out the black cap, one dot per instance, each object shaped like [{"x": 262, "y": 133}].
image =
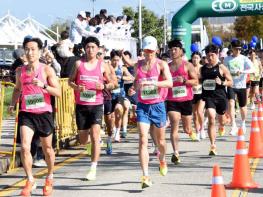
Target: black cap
[{"x": 236, "y": 44}]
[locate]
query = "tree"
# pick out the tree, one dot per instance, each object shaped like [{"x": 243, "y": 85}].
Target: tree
[
  {"x": 61, "y": 24},
  {"x": 248, "y": 26},
  {"x": 152, "y": 25}
]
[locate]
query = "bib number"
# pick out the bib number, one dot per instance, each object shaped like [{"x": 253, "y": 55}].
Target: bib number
[
  {"x": 149, "y": 92},
  {"x": 179, "y": 92},
  {"x": 34, "y": 101},
  {"x": 197, "y": 89},
  {"x": 209, "y": 84},
  {"x": 88, "y": 96}
]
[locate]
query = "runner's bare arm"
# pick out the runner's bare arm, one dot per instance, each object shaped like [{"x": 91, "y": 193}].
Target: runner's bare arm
[
  {"x": 127, "y": 61},
  {"x": 167, "y": 82},
  {"x": 53, "y": 86},
  {"x": 225, "y": 72},
  {"x": 193, "y": 81},
  {"x": 135, "y": 85},
  {"x": 17, "y": 88},
  {"x": 110, "y": 76},
  {"x": 126, "y": 75},
  {"x": 72, "y": 77}
]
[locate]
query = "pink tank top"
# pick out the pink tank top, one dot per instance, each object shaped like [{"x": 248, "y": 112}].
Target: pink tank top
[
  {"x": 150, "y": 94},
  {"x": 180, "y": 92},
  {"x": 34, "y": 99},
  {"x": 89, "y": 78}
]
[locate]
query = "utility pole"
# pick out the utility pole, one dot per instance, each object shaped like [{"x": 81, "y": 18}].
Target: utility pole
[
  {"x": 164, "y": 26},
  {"x": 140, "y": 23}
]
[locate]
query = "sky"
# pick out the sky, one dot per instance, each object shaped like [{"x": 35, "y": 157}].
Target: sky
[{"x": 48, "y": 11}]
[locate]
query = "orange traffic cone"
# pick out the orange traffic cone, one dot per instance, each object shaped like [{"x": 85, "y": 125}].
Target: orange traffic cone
[
  {"x": 260, "y": 119},
  {"x": 218, "y": 188},
  {"x": 241, "y": 173},
  {"x": 255, "y": 143}
]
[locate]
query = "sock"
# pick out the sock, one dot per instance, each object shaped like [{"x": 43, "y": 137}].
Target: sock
[
  {"x": 124, "y": 129},
  {"x": 145, "y": 172},
  {"x": 109, "y": 139},
  {"x": 30, "y": 178},
  {"x": 176, "y": 153},
  {"x": 117, "y": 132},
  {"x": 50, "y": 176},
  {"x": 93, "y": 166}
]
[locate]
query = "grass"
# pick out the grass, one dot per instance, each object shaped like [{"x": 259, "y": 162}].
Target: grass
[{"x": 7, "y": 101}]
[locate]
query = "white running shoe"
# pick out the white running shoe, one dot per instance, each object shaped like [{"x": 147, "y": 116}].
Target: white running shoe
[
  {"x": 252, "y": 107},
  {"x": 234, "y": 131},
  {"x": 39, "y": 163},
  {"x": 203, "y": 134},
  {"x": 198, "y": 137}
]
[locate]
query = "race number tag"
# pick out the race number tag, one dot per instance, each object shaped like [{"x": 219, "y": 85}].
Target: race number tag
[
  {"x": 179, "y": 92},
  {"x": 197, "y": 89},
  {"x": 209, "y": 84},
  {"x": 34, "y": 101},
  {"x": 88, "y": 96},
  {"x": 149, "y": 92}
]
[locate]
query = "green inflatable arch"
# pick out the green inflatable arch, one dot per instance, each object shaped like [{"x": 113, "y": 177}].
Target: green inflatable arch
[{"x": 183, "y": 19}]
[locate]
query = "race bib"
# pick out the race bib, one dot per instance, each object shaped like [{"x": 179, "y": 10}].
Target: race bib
[
  {"x": 179, "y": 92},
  {"x": 197, "y": 89},
  {"x": 34, "y": 101},
  {"x": 209, "y": 84},
  {"x": 149, "y": 92},
  {"x": 88, "y": 96}
]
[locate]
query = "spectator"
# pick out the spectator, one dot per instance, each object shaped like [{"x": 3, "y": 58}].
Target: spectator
[
  {"x": 65, "y": 46},
  {"x": 20, "y": 60}
]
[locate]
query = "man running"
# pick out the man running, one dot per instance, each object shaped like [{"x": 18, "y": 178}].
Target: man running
[
  {"x": 88, "y": 82},
  {"x": 151, "y": 80},
  {"x": 180, "y": 96},
  {"x": 215, "y": 77},
  {"x": 36, "y": 82},
  {"x": 239, "y": 66}
]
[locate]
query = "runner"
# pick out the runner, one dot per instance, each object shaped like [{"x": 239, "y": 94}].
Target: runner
[
  {"x": 215, "y": 77},
  {"x": 255, "y": 78},
  {"x": 198, "y": 103},
  {"x": 180, "y": 96},
  {"x": 239, "y": 66},
  {"x": 120, "y": 105},
  {"x": 151, "y": 80},
  {"x": 36, "y": 82},
  {"x": 87, "y": 81}
]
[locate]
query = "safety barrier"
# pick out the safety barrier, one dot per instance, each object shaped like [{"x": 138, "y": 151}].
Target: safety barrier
[
  {"x": 11, "y": 153},
  {"x": 65, "y": 120}
]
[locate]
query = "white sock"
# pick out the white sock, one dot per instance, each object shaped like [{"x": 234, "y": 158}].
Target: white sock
[
  {"x": 30, "y": 178},
  {"x": 124, "y": 129},
  {"x": 145, "y": 172},
  {"x": 50, "y": 176},
  {"x": 93, "y": 165}
]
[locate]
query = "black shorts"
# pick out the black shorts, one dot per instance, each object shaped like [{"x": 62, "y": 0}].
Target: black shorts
[
  {"x": 41, "y": 124},
  {"x": 219, "y": 104},
  {"x": 107, "y": 107},
  {"x": 248, "y": 84},
  {"x": 197, "y": 98},
  {"x": 261, "y": 82},
  {"x": 241, "y": 95},
  {"x": 254, "y": 83},
  {"x": 88, "y": 115},
  {"x": 184, "y": 108},
  {"x": 114, "y": 102}
]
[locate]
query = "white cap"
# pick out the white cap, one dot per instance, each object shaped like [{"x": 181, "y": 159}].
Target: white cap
[
  {"x": 149, "y": 43},
  {"x": 82, "y": 14},
  {"x": 224, "y": 52}
]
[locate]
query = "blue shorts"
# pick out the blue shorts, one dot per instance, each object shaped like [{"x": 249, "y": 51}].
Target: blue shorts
[{"x": 152, "y": 114}]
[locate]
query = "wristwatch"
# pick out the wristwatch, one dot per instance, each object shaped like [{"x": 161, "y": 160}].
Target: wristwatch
[{"x": 45, "y": 86}]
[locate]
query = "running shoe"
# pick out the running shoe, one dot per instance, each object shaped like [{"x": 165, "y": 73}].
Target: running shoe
[
  {"x": 175, "y": 159},
  {"x": 39, "y": 163},
  {"x": 221, "y": 131},
  {"x": 109, "y": 148},
  {"x": 253, "y": 106},
  {"x": 203, "y": 134},
  {"x": 28, "y": 188},
  {"x": 88, "y": 148},
  {"x": 234, "y": 131},
  {"x": 123, "y": 134},
  {"x": 91, "y": 176},
  {"x": 48, "y": 188},
  {"x": 163, "y": 168},
  {"x": 146, "y": 182},
  {"x": 212, "y": 151},
  {"x": 192, "y": 135}
]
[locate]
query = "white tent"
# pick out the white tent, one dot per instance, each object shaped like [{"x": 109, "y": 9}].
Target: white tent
[{"x": 13, "y": 31}]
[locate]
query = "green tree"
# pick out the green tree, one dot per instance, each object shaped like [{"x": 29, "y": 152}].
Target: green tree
[
  {"x": 248, "y": 26},
  {"x": 59, "y": 24},
  {"x": 152, "y": 25}
]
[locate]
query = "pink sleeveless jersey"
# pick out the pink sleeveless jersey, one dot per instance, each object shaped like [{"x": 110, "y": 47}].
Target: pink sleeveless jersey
[
  {"x": 88, "y": 78},
  {"x": 34, "y": 99},
  {"x": 150, "y": 94},
  {"x": 180, "y": 92}
]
